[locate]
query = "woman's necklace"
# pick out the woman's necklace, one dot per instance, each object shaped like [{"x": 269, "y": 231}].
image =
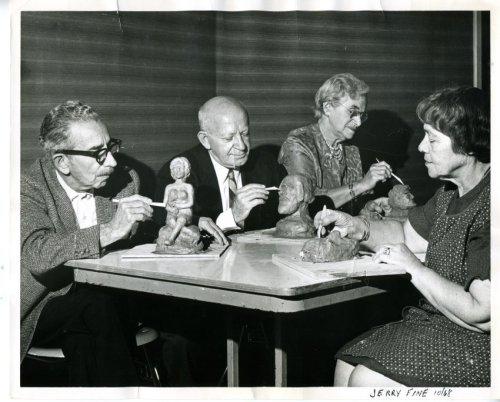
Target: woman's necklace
[{"x": 336, "y": 152}]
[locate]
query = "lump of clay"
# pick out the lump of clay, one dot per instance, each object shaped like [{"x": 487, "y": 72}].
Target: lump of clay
[
  {"x": 294, "y": 228},
  {"x": 400, "y": 201},
  {"x": 187, "y": 241},
  {"x": 329, "y": 249},
  {"x": 396, "y": 205}
]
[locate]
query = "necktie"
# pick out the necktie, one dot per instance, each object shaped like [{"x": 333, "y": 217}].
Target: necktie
[{"x": 232, "y": 187}]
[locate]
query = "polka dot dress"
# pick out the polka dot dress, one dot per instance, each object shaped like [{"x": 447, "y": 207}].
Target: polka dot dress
[{"x": 425, "y": 348}]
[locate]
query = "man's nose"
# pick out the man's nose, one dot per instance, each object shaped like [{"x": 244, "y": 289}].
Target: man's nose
[
  {"x": 238, "y": 141},
  {"x": 110, "y": 160}
]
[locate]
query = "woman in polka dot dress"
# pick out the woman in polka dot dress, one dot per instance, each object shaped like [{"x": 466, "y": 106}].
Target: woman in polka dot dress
[{"x": 445, "y": 342}]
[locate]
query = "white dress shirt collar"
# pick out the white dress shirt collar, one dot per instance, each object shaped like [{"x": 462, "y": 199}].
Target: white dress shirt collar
[
  {"x": 83, "y": 204},
  {"x": 225, "y": 220}
]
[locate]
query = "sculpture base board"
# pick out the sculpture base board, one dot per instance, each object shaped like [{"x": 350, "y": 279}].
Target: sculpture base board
[
  {"x": 214, "y": 251},
  {"x": 358, "y": 267},
  {"x": 267, "y": 236}
]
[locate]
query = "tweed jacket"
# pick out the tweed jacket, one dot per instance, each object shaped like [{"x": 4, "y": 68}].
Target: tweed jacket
[
  {"x": 261, "y": 167},
  {"x": 50, "y": 236}
]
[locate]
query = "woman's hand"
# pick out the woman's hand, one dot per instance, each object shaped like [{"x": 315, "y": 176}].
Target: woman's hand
[
  {"x": 379, "y": 171},
  {"x": 347, "y": 225},
  {"x": 398, "y": 254},
  {"x": 170, "y": 207}
]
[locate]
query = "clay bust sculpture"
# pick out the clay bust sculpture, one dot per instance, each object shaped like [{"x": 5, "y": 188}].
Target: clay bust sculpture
[
  {"x": 178, "y": 236},
  {"x": 295, "y": 196}
]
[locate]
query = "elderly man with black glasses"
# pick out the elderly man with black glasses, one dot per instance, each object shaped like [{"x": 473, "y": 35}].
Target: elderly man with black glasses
[
  {"x": 67, "y": 213},
  {"x": 321, "y": 151}
]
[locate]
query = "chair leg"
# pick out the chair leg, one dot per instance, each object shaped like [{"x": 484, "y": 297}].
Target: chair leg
[{"x": 153, "y": 372}]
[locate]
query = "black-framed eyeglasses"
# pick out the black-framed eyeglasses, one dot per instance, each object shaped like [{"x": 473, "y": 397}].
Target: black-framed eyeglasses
[
  {"x": 99, "y": 155},
  {"x": 353, "y": 113}
]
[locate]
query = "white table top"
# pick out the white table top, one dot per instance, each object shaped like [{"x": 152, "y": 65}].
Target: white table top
[{"x": 245, "y": 271}]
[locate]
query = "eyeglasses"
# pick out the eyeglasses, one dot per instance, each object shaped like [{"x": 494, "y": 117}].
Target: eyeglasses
[
  {"x": 353, "y": 113},
  {"x": 100, "y": 155}
]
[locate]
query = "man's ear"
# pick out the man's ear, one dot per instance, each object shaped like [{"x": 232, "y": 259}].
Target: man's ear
[
  {"x": 203, "y": 138},
  {"x": 61, "y": 163}
]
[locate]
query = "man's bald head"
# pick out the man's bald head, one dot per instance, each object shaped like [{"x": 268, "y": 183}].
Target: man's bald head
[
  {"x": 224, "y": 131},
  {"x": 213, "y": 111}
]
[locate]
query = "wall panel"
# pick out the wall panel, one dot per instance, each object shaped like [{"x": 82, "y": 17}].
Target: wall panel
[
  {"x": 275, "y": 62},
  {"x": 148, "y": 77}
]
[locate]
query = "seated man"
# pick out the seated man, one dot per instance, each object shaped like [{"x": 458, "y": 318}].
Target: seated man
[
  {"x": 229, "y": 184},
  {"x": 67, "y": 213},
  {"x": 229, "y": 181}
]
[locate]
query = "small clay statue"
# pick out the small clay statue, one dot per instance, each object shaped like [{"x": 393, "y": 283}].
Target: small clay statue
[
  {"x": 396, "y": 205},
  {"x": 329, "y": 249},
  {"x": 295, "y": 196},
  {"x": 178, "y": 236}
]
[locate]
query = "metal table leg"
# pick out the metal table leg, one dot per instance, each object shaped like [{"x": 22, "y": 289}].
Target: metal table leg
[
  {"x": 233, "y": 378},
  {"x": 280, "y": 358}
]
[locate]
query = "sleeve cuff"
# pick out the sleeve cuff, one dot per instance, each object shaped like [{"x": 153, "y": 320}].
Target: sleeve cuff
[{"x": 225, "y": 221}]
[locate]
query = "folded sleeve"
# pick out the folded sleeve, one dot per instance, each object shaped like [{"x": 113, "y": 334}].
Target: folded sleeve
[{"x": 478, "y": 255}]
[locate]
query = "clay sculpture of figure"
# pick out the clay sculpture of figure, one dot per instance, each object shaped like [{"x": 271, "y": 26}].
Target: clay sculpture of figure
[
  {"x": 396, "y": 205},
  {"x": 329, "y": 249},
  {"x": 178, "y": 236},
  {"x": 400, "y": 200},
  {"x": 295, "y": 195}
]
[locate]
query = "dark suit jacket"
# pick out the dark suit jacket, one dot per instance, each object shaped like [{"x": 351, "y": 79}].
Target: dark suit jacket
[
  {"x": 261, "y": 167},
  {"x": 50, "y": 236}
]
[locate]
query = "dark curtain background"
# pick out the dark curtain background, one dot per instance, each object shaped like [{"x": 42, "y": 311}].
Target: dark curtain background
[{"x": 147, "y": 73}]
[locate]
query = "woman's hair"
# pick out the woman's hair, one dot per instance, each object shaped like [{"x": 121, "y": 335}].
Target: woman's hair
[
  {"x": 56, "y": 124},
  {"x": 335, "y": 88},
  {"x": 184, "y": 162},
  {"x": 463, "y": 114}
]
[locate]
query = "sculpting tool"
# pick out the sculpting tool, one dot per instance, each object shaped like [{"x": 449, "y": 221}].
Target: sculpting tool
[
  {"x": 271, "y": 188},
  {"x": 393, "y": 175},
  {"x": 321, "y": 226},
  {"x": 153, "y": 204}
]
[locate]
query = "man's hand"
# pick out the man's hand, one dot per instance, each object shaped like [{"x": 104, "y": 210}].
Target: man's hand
[
  {"x": 246, "y": 198},
  {"x": 347, "y": 225},
  {"x": 209, "y": 226},
  {"x": 130, "y": 210}
]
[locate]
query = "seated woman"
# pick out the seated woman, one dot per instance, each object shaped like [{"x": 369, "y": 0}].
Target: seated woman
[
  {"x": 318, "y": 152},
  {"x": 178, "y": 199},
  {"x": 445, "y": 342}
]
